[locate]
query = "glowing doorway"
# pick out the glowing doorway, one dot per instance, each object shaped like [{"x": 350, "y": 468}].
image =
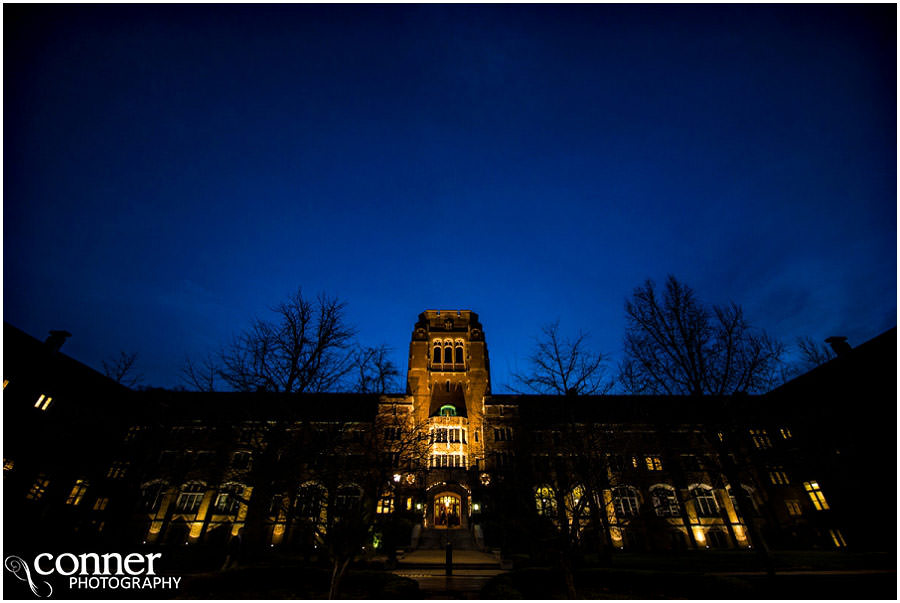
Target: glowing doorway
[{"x": 447, "y": 511}]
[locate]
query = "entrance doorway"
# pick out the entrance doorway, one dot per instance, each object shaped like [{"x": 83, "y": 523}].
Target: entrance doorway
[{"x": 447, "y": 511}]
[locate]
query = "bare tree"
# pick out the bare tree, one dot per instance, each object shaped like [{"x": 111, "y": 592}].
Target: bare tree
[
  {"x": 121, "y": 369},
  {"x": 563, "y": 366},
  {"x": 813, "y": 354},
  {"x": 377, "y": 374},
  {"x": 200, "y": 376},
  {"x": 305, "y": 348},
  {"x": 674, "y": 344}
]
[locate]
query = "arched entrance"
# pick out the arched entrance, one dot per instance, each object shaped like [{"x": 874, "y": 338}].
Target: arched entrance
[
  {"x": 447, "y": 506},
  {"x": 447, "y": 511}
]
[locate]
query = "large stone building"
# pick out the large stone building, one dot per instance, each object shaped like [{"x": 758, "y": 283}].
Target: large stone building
[{"x": 446, "y": 458}]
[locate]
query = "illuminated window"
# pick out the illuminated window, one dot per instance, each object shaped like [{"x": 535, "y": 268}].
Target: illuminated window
[
  {"x": 228, "y": 501},
  {"x": 447, "y": 410},
  {"x": 190, "y": 497},
  {"x": 311, "y": 500},
  {"x": 816, "y": 495},
  {"x": 152, "y": 495},
  {"x": 626, "y": 502},
  {"x": 43, "y": 402},
  {"x": 385, "y": 504},
  {"x": 786, "y": 433},
  {"x": 5, "y": 383},
  {"x": 793, "y": 507},
  {"x": 77, "y": 493},
  {"x": 665, "y": 503},
  {"x": 705, "y": 501},
  {"x": 837, "y": 538},
  {"x": 545, "y": 501},
  {"x": 778, "y": 477},
  {"x": 760, "y": 438},
  {"x": 118, "y": 470},
  {"x": 39, "y": 488},
  {"x": 8, "y": 465},
  {"x": 654, "y": 463},
  {"x": 100, "y": 503}
]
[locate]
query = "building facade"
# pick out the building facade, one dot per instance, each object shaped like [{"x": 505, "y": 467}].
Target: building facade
[{"x": 510, "y": 472}]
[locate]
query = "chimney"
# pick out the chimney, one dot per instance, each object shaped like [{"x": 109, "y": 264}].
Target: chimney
[
  {"x": 839, "y": 345},
  {"x": 56, "y": 340}
]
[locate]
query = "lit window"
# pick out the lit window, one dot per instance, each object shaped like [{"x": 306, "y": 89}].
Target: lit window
[
  {"x": 447, "y": 410},
  {"x": 654, "y": 463},
  {"x": 43, "y": 402},
  {"x": 228, "y": 501},
  {"x": 117, "y": 470},
  {"x": 786, "y": 433},
  {"x": 705, "y": 501},
  {"x": 77, "y": 493},
  {"x": 545, "y": 501},
  {"x": 778, "y": 477},
  {"x": 760, "y": 438},
  {"x": 190, "y": 497},
  {"x": 665, "y": 504},
  {"x": 5, "y": 383},
  {"x": 626, "y": 501},
  {"x": 39, "y": 488},
  {"x": 793, "y": 507},
  {"x": 837, "y": 538},
  {"x": 816, "y": 495},
  {"x": 100, "y": 503},
  {"x": 8, "y": 465},
  {"x": 385, "y": 504}
]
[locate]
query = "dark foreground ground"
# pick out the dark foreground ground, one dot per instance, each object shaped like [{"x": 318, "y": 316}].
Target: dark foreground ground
[{"x": 697, "y": 575}]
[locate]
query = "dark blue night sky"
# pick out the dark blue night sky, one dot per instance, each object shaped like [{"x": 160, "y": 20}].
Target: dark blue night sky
[{"x": 171, "y": 171}]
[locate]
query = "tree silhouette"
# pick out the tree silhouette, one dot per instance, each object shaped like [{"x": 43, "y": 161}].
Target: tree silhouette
[
  {"x": 562, "y": 366},
  {"x": 675, "y": 344},
  {"x": 121, "y": 369}
]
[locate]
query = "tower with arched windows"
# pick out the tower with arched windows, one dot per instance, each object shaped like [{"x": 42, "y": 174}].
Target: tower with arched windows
[{"x": 448, "y": 379}]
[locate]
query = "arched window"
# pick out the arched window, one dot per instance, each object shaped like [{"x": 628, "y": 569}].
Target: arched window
[
  {"x": 190, "y": 497},
  {"x": 310, "y": 501},
  {"x": 545, "y": 501},
  {"x": 229, "y": 500},
  {"x": 447, "y": 410},
  {"x": 152, "y": 494},
  {"x": 459, "y": 359},
  {"x": 626, "y": 501},
  {"x": 436, "y": 355},
  {"x": 705, "y": 501},
  {"x": 448, "y": 352},
  {"x": 665, "y": 504}
]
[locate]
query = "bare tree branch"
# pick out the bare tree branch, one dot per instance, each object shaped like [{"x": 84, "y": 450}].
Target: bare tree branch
[
  {"x": 121, "y": 369},
  {"x": 677, "y": 345},
  {"x": 563, "y": 366}
]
